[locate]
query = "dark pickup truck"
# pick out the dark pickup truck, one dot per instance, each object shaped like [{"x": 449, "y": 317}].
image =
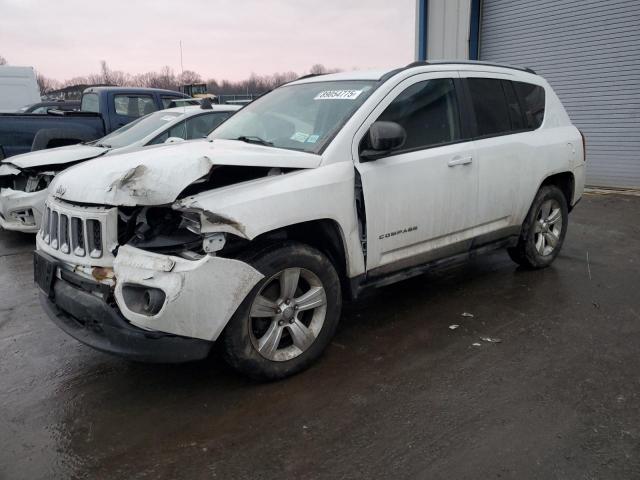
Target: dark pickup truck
[{"x": 102, "y": 110}]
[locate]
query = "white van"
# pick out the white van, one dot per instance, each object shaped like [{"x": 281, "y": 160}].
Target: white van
[{"x": 18, "y": 87}]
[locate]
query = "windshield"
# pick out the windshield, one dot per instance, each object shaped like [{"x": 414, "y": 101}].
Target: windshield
[
  {"x": 138, "y": 129},
  {"x": 298, "y": 117}
]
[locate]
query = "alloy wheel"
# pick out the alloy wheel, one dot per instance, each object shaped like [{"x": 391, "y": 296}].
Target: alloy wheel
[
  {"x": 287, "y": 314},
  {"x": 548, "y": 227}
]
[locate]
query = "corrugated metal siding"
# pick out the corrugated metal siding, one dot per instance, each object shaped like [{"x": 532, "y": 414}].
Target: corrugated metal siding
[{"x": 589, "y": 51}]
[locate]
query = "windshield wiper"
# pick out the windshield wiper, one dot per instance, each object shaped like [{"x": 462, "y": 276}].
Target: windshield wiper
[{"x": 252, "y": 139}]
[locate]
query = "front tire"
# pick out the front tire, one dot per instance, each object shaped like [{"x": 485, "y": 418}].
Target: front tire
[
  {"x": 289, "y": 317},
  {"x": 543, "y": 230}
]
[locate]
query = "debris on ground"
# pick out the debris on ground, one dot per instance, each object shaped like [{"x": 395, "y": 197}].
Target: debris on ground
[
  {"x": 476, "y": 344},
  {"x": 491, "y": 339},
  {"x": 453, "y": 327},
  {"x": 467, "y": 314}
]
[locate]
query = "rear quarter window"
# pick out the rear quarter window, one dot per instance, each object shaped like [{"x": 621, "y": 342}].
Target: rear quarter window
[{"x": 532, "y": 99}]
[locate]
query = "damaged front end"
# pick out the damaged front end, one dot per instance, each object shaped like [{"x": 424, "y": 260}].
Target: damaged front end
[
  {"x": 22, "y": 196},
  {"x": 153, "y": 266},
  {"x": 141, "y": 258}
]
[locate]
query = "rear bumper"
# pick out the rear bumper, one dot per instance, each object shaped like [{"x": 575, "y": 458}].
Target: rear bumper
[
  {"x": 21, "y": 211},
  {"x": 89, "y": 319}
]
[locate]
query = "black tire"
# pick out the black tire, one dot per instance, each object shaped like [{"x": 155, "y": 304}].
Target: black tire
[
  {"x": 526, "y": 253},
  {"x": 237, "y": 343}
]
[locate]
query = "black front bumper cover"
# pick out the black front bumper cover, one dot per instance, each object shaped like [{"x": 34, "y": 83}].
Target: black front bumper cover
[{"x": 91, "y": 320}]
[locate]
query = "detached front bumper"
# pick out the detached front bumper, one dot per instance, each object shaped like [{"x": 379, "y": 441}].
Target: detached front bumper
[
  {"x": 21, "y": 211},
  {"x": 197, "y": 298},
  {"x": 89, "y": 319},
  {"x": 200, "y": 296}
]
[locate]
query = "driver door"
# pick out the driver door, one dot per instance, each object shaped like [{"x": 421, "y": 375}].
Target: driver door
[{"x": 420, "y": 200}]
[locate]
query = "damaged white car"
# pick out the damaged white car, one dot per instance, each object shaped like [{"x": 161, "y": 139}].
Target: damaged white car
[
  {"x": 24, "y": 179},
  {"x": 323, "y": 188}
]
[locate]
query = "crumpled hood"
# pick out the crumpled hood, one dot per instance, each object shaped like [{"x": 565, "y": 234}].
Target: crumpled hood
[
  {"x": 56, "y": 156},
  {"x": 157, "y": 175}
]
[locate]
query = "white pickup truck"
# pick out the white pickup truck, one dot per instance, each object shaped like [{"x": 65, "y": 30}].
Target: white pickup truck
[{"x": 314, "y": 192}]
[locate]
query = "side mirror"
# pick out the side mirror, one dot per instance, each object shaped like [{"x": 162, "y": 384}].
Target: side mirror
[
  {"x": 384, "y": 137},
  {"x": 174, "y": 140}
]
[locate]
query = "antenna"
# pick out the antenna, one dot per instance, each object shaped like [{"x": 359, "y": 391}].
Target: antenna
[
  {"x": 184, "y": 104},
  {"x": 181, "y": 65}
]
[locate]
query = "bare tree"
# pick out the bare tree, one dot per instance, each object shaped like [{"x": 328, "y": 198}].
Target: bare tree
[
  {"x": 318, "y": 69},
  {"x": 3, "y": 61},
  {"x": 189, "y": 77},
  {"x": 167, "y": 79},
  {"x": 46, "y": 84},
  {"x": 104, "y": 70}
]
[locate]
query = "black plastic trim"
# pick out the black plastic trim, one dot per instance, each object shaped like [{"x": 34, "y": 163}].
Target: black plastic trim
[
  {"x": 468, "y": 62},
  {"x": 476, "y": 246},
  {"x": 92, "y": 321}
]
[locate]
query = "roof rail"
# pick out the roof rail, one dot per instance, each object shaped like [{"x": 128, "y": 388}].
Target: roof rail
[
  {"x": 309, "y": 75},
  {"x": 469, "y": 62}
]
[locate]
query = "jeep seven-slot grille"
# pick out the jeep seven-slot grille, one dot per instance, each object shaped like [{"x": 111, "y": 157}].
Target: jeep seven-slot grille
[{"x": 72, "y": 234}]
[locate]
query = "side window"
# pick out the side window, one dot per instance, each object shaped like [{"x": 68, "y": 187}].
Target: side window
[
  {"x": 515, "y": 110},
  {"x": 196, "y": 127},
  {"x": 134, "y": 105},
  {"x": 490, "y": 106},
  {"x": 167, "y": 100},
  {"x": 428, "y": 111},
  {"x": 203, "y": 125},
  {"x": 532, "y": 99}
]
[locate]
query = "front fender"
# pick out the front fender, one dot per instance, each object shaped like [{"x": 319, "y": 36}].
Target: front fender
[{"x": 253, "y": 208}]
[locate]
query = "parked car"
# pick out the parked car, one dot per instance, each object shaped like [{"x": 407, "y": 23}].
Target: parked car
[
  {"x": 18, "y": 87},
  {"x": 319, "y": 190},
  {"x": 102, "y": 110},
  {"x": 42, "y": 108},
  {"x": 24, "y": 179}
]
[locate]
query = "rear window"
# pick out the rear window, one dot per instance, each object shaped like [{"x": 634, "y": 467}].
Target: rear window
[
  {"x": 532, "y": 99},
  {"x": 490, "y": 106},
  {"x": 134, "y": 105},
  {"x": 90, "y": 103}
]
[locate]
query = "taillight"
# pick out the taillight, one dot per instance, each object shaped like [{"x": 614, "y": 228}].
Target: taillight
[{"x": 584, "y": 147}]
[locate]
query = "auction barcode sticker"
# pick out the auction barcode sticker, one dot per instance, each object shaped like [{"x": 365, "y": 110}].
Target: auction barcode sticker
[{"x": 338, "y": 95}]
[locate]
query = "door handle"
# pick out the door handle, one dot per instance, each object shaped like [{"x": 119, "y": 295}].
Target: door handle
[{"x": 460, "y": 161}]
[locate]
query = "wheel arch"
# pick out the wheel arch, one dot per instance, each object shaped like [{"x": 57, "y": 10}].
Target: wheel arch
[
  {"x": 565, "y": 181},
  {"x": 323, "y": 234}
]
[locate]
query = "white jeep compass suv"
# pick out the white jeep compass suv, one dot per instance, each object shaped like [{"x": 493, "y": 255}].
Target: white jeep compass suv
[{"x": 318, "y": 190}]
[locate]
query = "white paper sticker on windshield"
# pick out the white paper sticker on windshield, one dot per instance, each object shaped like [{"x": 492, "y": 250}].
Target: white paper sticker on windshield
[
  {"x": 299, "y": 137},
  {"x": 338, "y": 95}
]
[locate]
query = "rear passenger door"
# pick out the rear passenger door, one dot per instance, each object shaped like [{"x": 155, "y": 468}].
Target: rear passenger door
[
  {"x": 420, "y": 201},
  {"x": 500, "y": 151}
]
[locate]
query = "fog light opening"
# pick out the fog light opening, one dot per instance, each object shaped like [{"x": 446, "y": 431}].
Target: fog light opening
[
  {"x": 153, "y": 300},
  {"x": 143, "y": 300}
]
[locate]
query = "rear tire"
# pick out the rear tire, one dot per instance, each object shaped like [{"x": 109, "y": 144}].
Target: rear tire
[
  {"x": 543, "y": 230},
  {"x": 289, "y": 317}
]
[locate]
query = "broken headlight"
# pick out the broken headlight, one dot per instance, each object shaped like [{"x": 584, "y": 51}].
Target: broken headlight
[{"x": 211, "y": 242}]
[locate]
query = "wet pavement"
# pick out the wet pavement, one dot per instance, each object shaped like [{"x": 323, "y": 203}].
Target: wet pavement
[{"x": 398, "y": 394}]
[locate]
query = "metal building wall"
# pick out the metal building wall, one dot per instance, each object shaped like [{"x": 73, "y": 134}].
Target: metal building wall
[{"x": 589, "y": 51}]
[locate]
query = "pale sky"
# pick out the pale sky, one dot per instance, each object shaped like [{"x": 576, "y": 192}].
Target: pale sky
[{"x": 221, "y": 38}]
